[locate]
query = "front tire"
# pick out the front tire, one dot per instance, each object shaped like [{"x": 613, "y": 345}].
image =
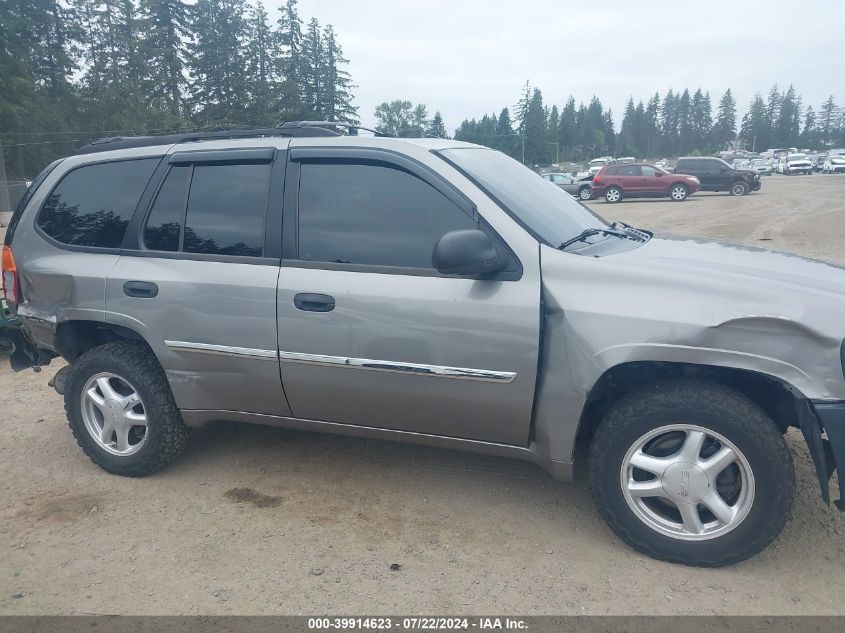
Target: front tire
[
  {"x": 121, "y": 410},
  {"x": 613, "y": 195},
  {"x": 691, "y": 472},
  {"x": 739, "y": 188}
]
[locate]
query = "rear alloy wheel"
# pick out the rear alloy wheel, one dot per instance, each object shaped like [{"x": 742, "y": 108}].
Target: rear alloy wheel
[
  {"x": 614, "y": 194},
  {"x": 678, "y": 193},
  {"x": 691, "y": 472},
  {"x": 739, "y": 188},
  {"x": 584, "y": 193}
]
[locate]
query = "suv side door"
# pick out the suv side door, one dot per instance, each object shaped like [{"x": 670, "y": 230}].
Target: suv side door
[
  {"x": 630, "y": 178},
  {"x": 369, "y": 333},
  {"x": 197, "y": 277}
]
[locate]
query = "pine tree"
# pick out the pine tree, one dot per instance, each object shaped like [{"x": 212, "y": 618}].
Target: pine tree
[
  {"x": 312, "y": 72},
  {"x": 651, "y": 126},
  {"x": 567, "y": 129},
  {"x": 786, "y": 127},
  {"x": 701, "y": 119},
  {"x": 436, "y": 128},
  {"x": 724, "y": 130},
  {"x": 166, "y": 27},
  {"x": 217, "y": 62},
  {"x": 685, "y": 128},
  {"x": 337, "y": 85},
  {"x": 754, "y": 131},
  {"x": 828, "y": 121},
  {"x": 627, "y": 141},
  {"x": 669, "y": 123},
  {"x": 809, "y": 136},
  {"x": 260, "y": 65}
]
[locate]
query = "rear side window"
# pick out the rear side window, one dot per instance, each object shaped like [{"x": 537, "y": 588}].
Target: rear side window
[
  {"x": 612, "y": 171},
  {"x": 226, "y": 209},
  {"x": 372, "y": 215},
  {"x": 92, "y": 205},
  {"x": 223, "y": 213},
  {"x": 164, "y": 225}
]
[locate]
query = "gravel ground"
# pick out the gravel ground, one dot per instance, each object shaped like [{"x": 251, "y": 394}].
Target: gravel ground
[{"x": 257, "y": 520}]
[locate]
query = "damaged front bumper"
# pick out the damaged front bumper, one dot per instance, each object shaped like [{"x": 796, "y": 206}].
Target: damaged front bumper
[{"x": 823, "y": 425}]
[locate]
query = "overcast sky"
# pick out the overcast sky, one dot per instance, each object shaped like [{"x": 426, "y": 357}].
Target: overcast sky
[{"x": 466, "y": 58}]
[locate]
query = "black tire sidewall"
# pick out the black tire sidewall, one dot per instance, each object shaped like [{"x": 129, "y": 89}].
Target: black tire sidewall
[
  {"x": 581, "y": 192},
  {"x": 771, "y": 508},
  {"x": 739, "y": 184}
]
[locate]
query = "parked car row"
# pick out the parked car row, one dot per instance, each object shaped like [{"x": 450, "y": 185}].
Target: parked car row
[{"x": 691, "y": 174}]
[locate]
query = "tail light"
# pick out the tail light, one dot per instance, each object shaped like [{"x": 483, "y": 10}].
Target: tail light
[
  {"x": 11, "y": 282},
  {"x": 596, "y": 179}
]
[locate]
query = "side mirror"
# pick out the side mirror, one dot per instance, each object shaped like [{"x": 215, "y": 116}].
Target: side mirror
[{"x": 467, "y": 253}]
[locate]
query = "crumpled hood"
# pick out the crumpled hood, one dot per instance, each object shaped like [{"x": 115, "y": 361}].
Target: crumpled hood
[
  {"x": 705, "y": 302},
  {"x": 758, "y": 270}
]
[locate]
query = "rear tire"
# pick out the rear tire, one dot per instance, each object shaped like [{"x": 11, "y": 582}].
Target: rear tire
[
  {"x": 678, "y": 192},
  {"x": 613, "y": 195},
  {"x": 122, "y": 438},
  {"x": 584, "y": 193},
  {"x": 739, "y": 188},
  {"x": 668, "y": 516}
]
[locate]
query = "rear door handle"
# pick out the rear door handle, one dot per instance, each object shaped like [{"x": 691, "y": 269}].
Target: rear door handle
[
  {"x": 140, "y": 289},
  {"x": 313, "y": 302}
]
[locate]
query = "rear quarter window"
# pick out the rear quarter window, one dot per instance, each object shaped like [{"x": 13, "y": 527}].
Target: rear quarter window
[{"x": 92, "y": 205}]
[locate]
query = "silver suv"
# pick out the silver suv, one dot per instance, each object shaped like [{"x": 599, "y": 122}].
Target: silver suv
[{"x": 433, "y": 292}]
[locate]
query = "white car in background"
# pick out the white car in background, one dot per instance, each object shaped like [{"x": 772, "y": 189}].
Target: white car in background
[
  {"x": 597, "y": 163},
  {"x": 834, "y": 164},
  {"x": 795, "y": 164}
]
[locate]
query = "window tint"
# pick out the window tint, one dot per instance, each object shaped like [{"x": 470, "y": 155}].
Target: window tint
[
  {"x": 92, "y": 205},
  {"x": 164, "y": 223},
  {"x": 629, "y": 170},
  {"x": 612, "y": 171},
  {"x": 226, "y": 209},
  {"x": 648, "y": 170},
  {"x": 367, "y": 214}
]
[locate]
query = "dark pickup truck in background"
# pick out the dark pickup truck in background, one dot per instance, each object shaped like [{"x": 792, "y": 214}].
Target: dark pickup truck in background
[{"x": 716, "y": 175}]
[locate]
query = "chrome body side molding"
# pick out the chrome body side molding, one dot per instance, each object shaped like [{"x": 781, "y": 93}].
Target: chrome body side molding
[{"x": 461, "y": 373}]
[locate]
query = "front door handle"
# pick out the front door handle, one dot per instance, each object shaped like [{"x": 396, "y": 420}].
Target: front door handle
[
  {"x": 313, "y": 302},
  {"x": 140, "y": 289}
]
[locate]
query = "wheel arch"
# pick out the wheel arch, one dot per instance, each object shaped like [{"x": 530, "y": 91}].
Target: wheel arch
[
  {"x": 777, "y": 398},
  {"x": 74, "y": 338}
]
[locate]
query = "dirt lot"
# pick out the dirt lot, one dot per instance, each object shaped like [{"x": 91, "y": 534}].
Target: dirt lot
[{"x": 259, "y": 520}]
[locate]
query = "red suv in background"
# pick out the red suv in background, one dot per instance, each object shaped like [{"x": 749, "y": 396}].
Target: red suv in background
[{"x": 641, "y": 180}]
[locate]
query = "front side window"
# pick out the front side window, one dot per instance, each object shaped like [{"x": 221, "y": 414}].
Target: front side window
[
  {"x": 368, "y": 214},
  {"x": 650, "y": 171},
  {"x": 92, "y": 205},
  {"x": 629, "y": 170}
]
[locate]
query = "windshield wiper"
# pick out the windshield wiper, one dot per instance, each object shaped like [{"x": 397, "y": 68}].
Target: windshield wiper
[
  {"x": 638, "y": 234},
  {"x": 590, "y": 232}
]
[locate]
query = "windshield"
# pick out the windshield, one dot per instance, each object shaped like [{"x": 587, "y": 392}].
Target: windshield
[
  {"x": 598, "y": 162},
  {"x": 797, "y": 157},
  {"x": 544, "y": 209},
  {"x": 760, "y": 162}
]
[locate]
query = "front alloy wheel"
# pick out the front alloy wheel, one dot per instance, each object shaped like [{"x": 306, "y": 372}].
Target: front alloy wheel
[{"x": 687, "y": 482}]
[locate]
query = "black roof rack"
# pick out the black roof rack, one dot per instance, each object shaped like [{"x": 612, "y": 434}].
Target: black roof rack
[
  {"x": 351, "y": 128},
  {"x": 288, "y": 129}
]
